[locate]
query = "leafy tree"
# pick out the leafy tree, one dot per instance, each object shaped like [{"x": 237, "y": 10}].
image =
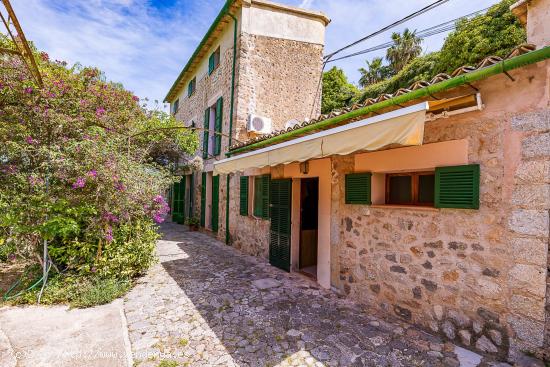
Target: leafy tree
[
  {"x": 337, "y": 91},
  {"x": 496, "y": 32},
  {"x": 405, "y": 48},
  {"x": 374, "y": 73},
  {"x": 78, "y": 167}
]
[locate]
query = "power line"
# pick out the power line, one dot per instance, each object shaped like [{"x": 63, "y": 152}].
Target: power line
[
  {"x": 394, "y": 24},
  {"x": 425, "y": 33}
]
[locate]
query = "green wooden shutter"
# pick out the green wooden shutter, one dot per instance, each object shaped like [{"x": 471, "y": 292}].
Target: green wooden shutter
[
  {"x": 183, "y": 185},
  {"x": 279, "y": 236},
  {"x": 203, "y": 200},
  {"x": 218, "y": 127},
  {"x": 175, "y": 202},
  {"x": 457, "y": 187},
  {"x": 243, "y": 200},
  {"x": 358, "y": 188},
  {"x": 266, "y": 180},
  {"x": 215, "y": 202},
  {"x": 191, "y": 195},
  {"x": 211, "y": 65},
  {"x": 205, "y": 133}
]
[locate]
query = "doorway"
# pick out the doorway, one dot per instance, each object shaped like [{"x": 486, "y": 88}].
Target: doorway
[{"x": 309, "y": 226}]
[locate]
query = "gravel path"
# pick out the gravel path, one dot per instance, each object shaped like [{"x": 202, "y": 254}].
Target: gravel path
[{"x": 206, "y": 304}]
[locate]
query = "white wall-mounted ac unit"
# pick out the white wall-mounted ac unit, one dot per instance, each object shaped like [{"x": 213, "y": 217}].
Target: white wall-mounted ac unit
[{"x": 258, "y": 124}]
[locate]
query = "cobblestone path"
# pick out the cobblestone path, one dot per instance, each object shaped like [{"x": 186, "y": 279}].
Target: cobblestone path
[{"x": 206, "y": 304}]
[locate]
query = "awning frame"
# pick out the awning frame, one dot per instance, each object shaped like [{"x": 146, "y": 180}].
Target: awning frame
[{"x": 423, "y": 106}]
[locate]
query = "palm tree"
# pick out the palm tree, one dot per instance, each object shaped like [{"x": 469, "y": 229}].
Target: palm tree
[
  {"x": 373, "y": 74},
  {"x": 405, "y": 47}
]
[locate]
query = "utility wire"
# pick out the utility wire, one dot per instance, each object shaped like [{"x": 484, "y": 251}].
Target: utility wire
[
  {"x": 428, "y": 32},
  {"x": 392, "y": 25}
]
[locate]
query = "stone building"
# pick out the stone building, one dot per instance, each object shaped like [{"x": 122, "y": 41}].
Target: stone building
[{"x": 431, "y": 204}]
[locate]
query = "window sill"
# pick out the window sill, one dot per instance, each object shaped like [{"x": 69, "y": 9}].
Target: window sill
[{"x": 409, "y": 207}]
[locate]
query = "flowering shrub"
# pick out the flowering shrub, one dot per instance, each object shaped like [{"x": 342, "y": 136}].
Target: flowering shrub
[{"x": 83, "y": 165}]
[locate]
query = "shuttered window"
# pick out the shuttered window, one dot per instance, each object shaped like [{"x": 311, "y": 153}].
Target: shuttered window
[
  {"x": 203, "y": 200},
  {"x": 261, "y": 196},
  {"x": 205, "y": 133},
  {"x": 213, "y": 61},
  {"x": 191, "y": 87},
  {"x": 457, "y": 187},
  {"x": 218, "y": 127},
  {"x": 358, "y": 188},
  {"x": 243, "y": 199}
]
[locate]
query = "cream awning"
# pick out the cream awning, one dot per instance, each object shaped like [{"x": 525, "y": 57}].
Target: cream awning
[{"x": 403, "y": 127}]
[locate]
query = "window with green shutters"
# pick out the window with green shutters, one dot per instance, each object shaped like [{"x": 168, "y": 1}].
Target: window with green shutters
[
  {"x": 218, "y": 127},
  {"x": 457, "y": 187},
  {"x": 215, "y": 202},
  {"x": 261, "y": 196},
  {"x": 213, "y": 61},
  {"x": 205, "y": 134},
  {"x": 358, "y": 188},
  {"x": 191, "y": 87},
  {"x": 243, "y": 198},
  {"x": 203, "y": 200}
]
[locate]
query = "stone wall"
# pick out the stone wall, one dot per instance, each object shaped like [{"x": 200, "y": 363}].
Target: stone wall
[
  {"x": 279, "y": 79},
  {"x": 476, "y": 276},
  {"x": 529, "y": 222}
]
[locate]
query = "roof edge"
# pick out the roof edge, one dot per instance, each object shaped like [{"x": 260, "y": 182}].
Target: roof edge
[
  {"x": 291, "y": 9},
  {"x": 223, "y": 12},
  {"x": 499, "y": 67}
]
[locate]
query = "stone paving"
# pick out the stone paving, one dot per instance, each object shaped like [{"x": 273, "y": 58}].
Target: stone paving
[{"x": 207, "y": 304}]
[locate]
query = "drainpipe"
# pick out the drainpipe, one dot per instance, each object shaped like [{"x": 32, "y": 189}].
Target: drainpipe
[{"x": 232, "y": 104}]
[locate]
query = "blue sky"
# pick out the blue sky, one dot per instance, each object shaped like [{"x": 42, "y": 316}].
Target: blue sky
[{"x": 144, "y": 44}]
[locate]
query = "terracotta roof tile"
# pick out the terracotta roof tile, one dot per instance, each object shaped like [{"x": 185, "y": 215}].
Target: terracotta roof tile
[{"x": 488, "y": 61}]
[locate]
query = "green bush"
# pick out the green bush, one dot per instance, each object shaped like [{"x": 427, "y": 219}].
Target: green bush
[
  {"x": 83, "y": 166},
  {"x": 78, "y": 291}
]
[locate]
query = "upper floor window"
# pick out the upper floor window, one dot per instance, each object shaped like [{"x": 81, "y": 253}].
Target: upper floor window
[
  {"x": 213, "y": 61},
  {"x": 175, "y": 106},
  {"x": 191, "y": 86}
]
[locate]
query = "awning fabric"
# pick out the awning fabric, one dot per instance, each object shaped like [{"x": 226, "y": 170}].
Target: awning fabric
[{"x": 403, "y": 127}]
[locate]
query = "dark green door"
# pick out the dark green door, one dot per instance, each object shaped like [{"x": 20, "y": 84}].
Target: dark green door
[
  {"x": 215, "y": 202},
  {"x": 178, "y": 207},
  {"x": 203, "y": 199},
  {"x": 279, "y": 236}
]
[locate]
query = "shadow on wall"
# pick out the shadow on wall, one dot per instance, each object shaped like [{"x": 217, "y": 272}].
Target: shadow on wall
[{"x": 265, "y": 327}]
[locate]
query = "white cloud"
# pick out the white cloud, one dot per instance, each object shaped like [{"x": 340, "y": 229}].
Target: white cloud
[{"x": 145, "y": 46}]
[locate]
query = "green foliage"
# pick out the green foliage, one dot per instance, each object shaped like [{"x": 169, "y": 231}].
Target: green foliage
[
  {"x": 421, "y": 68},
  {"x": 82, "y": 165},
  {"x": 495, "y": 33},
  {"x": 337, "y": 91},
  {"x": 78, "y": 291},
  {"x": 405, "y": 48},
  {"x": 192, "y": 221},
  {"x": 374, "y": 73},
  {"x": 168, "y": 363}
]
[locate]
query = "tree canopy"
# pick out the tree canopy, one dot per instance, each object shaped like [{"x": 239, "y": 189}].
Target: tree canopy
[
  {"x": 80, "y": 166},
  {"x": 337, "y": 91}
]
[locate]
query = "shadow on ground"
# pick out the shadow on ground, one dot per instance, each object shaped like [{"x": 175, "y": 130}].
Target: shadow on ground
[{"x": 293, "y": 323}]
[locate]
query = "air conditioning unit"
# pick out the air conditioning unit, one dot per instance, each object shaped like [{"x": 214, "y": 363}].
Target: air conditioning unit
[{"x": 259, "y": 124}]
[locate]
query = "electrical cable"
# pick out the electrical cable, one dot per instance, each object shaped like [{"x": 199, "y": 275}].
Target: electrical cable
[
  {"x": 392, "y": 25},
  {"x": 425, "y": 33}
]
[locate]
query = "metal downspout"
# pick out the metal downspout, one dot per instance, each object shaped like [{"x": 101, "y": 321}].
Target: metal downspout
[{"x": 232, "y": 103}]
